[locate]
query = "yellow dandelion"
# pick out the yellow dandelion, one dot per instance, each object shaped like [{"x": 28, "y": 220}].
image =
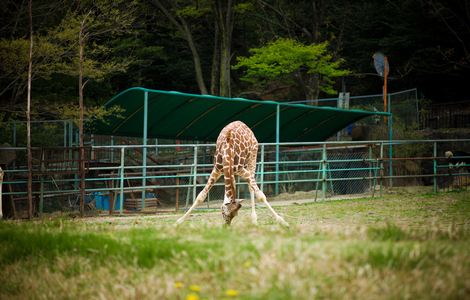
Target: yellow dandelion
[
  {"x": 195, "y": 288},
  {"x": 179, "y": 284},
  {"x": 247, "y": 264},
  {"x": 231, "y": 293},
  {"x": 192, "y": 296}
]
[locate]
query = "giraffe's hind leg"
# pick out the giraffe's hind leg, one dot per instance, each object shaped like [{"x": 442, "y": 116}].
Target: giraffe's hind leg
[
  {"x": 215, "y": 175},
  {"x": 250, "y": 177}
]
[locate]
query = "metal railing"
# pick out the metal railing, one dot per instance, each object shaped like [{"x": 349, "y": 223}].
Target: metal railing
[{"x": 172, "y": 175}]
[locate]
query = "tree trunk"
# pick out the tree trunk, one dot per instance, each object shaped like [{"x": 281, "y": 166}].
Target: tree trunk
[
  {"x": 318, "y": 9},
  {"x": 196, "y": 60},
  {"x": 313, "y": 88},
  {"x": 28, "y": 114},
  {"x": 81, "y": 161},
  {"x": 183, "y": 28},
  {"x": 224, "y": 16},
  {"x": 215, "y": 70},
  {"x": 310, "y": 86}
]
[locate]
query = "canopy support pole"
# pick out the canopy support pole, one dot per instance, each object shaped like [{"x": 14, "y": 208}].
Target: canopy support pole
[
  {"x": 276, "y": 187},
  {"x": 144, "y": 150}
]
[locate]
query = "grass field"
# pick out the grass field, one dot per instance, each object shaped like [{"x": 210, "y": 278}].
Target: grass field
[{"x": 401, "y": 246}]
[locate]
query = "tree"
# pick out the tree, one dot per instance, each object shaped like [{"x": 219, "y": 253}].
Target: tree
[
  {"x": 219, "y": 15},
  {"x": 311, "y": 67},
  {"x": 224, "y": 14},
  {"x": 177, "y": 16},
  {"x": 89, "y": 22},
  {"x": 14, "y": 51},
  {"x": 14, "y": 55},
  {"x": 28, "y": 112}
]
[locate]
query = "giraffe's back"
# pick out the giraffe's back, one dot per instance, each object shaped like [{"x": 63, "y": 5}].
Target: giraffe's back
[{"x": 242, "y": 140}]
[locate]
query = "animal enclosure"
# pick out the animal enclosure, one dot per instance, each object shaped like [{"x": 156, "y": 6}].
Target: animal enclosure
[{"x": 119, "y": 179}]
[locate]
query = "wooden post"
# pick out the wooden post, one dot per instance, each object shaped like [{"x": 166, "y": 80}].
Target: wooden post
[
  {"x": 81, "y": 159},
  {"x": 323, "y": 171},
  {"x": 434, "y": 162},
  {"x": 385, "y": 83},
  {"x": 177, "y": 194},
  {"x": 144, "y": 150},
  {"x": 12, "y": 201},
  {"x": 1, "y": 182},
  {"x": 385, "y": 98},
  {"x": 121, "y": 181},
  {"x": 28, "y": 114},
  {"x": 111, "y": 194}
]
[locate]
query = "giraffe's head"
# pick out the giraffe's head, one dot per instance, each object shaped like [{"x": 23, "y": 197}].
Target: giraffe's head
[{"x": 230, "y": 210}]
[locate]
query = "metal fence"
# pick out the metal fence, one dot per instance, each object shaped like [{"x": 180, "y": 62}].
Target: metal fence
[
  {"x": 119, "y": 178},
  {"x": 407, "y": 109}
]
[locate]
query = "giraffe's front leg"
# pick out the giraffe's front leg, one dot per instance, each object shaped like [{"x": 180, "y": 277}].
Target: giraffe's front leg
[
  {"x": 199, "y": 199},
  {"x": 215, "y": 175},
  {"x": 260, "y": 196}
]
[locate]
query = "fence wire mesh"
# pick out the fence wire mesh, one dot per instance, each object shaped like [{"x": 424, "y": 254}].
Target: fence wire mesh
[{"x": 171, "y": 176}]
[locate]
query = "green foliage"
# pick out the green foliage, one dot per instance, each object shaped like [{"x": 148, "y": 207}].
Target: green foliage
[
  {"x": 287, "y": 58},
  {"x": 244, "y": 7},
  {"x": 191, "y": 11},
  {"x": 14, "y": 58},
  {"x": 131, "y": 43},
  {"x": 13, "y": 54},
  {"x": 98, "y": 19},
  {"x": 95, "y": 113}
]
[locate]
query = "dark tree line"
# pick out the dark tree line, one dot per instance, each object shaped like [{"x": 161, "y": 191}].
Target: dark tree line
[{"x": 193, "y": 46}]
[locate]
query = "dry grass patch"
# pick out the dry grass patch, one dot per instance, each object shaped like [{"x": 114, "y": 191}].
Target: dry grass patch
[{"x": 398, "y": 246}]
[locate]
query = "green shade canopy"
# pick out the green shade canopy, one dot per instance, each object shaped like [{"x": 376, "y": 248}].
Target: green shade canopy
[{"x": 175, "y": 115}]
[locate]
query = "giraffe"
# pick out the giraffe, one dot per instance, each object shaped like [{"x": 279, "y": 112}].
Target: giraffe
[{"x": 235, "y": 154}]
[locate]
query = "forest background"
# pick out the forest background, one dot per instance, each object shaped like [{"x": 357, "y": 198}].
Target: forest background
[{"x": 205, "y": 47}]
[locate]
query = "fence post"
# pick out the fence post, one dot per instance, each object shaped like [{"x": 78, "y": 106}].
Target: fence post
[
  {"x": 278, "y": 112},
  {"x": 195, "y": 173},
  {"x": 434, "y": 154},
  {"x": 112, "y": 150},
  {"x": 41, "y": 184},
  {"x": 262, "y": 168},
  {"x": 381, "y": 166},
  {"x": 369, "y": 165},
  {"x": 390, "y": 147},
  {"x": 144, "y": 150},
  {"x": 324, "y": 186},
  {"x": 121, "y": 178},
  {"x": 2, "y": 173}
]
